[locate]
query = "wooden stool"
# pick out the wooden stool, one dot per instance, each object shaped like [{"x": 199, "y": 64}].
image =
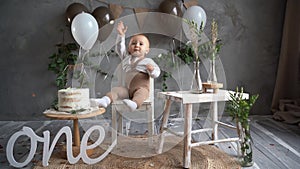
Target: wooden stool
[{"x": 214, "y": 86}]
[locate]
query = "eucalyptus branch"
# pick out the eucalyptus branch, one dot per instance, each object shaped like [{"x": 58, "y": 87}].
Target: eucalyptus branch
[
  {"x": 240, "y": 108},
  {"x": 194, "y": 27},
  {"x": 195, "y": 32}
]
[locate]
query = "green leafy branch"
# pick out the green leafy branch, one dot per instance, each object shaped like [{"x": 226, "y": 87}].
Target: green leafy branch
[
  {"x": 238, "y": 107},
  {"x": 164, "y": 84},
  {"x": 59, "y": 63},
  {"x": 185, "y": 53},
  {"x": 195, "y": 33},
  {"x": 208, "y": 49},
  {"x": 194, "y": 27},
  {"x": 165, "y": 60},
  {"x": 60, "y": 60}
]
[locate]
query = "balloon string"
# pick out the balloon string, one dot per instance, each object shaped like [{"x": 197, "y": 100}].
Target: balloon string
[
  {"x": 185, "y": 7},
  {"x": 173, "y": 49},
  {"x": 83, "y": 53},
  {"x": 91, "y": 4},
  {"x": 107, "y": 57},
  {"x": 84, "y": 75},
  {"x": 81, "y": 68}
]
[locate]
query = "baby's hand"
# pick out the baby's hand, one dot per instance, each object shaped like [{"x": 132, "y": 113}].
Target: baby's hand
[
  {"x": 149, "y": 67},
  {"x": 121, "y": 28}
]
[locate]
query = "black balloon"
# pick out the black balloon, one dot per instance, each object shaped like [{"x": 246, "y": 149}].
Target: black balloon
[
  {"x": 170, "y": 7},
  {"x": 103, "y": 16},
  {"x": 73, "y": 10},
  {"x": 105, "y": 20}
]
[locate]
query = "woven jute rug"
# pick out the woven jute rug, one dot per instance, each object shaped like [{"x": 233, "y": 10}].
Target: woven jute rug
[{"x": 128, "y": 154}]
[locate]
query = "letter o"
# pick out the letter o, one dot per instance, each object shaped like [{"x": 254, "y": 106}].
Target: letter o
[{"x": 11, "y": 143}]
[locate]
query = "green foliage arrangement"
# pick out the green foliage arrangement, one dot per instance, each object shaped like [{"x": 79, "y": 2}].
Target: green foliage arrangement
[
  {"x": 239, "y": 109},
  {"x": 59, "y": 63},
  {"x": 195, "y": 31},
  {"x": 208, "y": 49},
  {"x": 165, "y": 60},
  {"x": 185, "y": 53},
  {"x": 60, "y": 60},
  {"x": 195, "y": 28}
]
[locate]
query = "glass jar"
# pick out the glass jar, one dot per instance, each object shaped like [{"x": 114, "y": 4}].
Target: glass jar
[
  {"x": 212, "y": 77},
  {"x": 246, "y": 142},
  {"x": 196, "y": 86}
]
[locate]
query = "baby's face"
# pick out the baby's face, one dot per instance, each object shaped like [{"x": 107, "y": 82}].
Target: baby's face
[{"x": 138, "y": 46}]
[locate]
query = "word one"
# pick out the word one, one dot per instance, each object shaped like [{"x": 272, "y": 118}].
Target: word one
[{"x": 47, "y": 151}]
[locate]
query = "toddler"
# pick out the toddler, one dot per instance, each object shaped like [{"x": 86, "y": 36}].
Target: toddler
[{"x": 138, "y": 69}]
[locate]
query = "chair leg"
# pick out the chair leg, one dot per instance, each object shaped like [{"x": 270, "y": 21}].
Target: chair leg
[
  {"x": 117, "y": 123},
  {"x": 114, "y": 124},
  {"x": 127, "y": 127},
  {"x": 214, "y": 107},
  {"x": 150, "y": 119},
  {"x": 187, "y": 136},
  {"x": 120, "y": 122},
  {"x": 162, "y": 131}
]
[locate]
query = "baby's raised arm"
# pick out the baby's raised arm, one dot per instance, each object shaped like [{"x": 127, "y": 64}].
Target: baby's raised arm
[
  {"x": 120, "y": 42},
  {"x": 121, "y": 28}
]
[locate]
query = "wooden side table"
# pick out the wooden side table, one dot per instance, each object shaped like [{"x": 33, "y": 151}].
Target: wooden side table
[
  {"x": 187, "y": 99},
  {"x": 75, "y": 117}
]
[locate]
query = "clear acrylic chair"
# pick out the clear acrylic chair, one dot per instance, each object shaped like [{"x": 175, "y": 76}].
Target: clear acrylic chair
[{"x": 118, "y": 116}]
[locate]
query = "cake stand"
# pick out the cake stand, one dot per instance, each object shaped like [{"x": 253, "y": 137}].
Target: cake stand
[{"x": 75, "y": 117}]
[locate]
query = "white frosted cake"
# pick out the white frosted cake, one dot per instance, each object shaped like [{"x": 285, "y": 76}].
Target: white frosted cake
[{"x": 72, "y": 99}]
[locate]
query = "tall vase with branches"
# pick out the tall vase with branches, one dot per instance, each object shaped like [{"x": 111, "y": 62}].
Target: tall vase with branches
[
  {"x": 215, "y": 48},
  {"x": 195, "y": 33},
  {"x": 239, "y": 109}
]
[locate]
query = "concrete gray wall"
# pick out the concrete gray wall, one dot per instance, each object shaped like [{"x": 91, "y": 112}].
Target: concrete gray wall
[{"x": 250, "y": 29}]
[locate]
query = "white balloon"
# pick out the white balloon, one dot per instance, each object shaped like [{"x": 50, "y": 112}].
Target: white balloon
[
  {"x": 196, "y": 14},
  {"x": 84, "y": 29}
]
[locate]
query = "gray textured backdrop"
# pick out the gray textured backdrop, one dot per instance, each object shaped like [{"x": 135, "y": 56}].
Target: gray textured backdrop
[{"x": 250, "y": 29}]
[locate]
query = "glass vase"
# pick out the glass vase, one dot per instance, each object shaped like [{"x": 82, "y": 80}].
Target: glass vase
[
  {"x": 196, "y": 86},
  {"x": 246, "y": 159},
  {"x": 212, "y": 77}
]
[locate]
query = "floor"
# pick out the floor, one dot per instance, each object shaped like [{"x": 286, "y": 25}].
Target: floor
[{"x": 276, "y": 145}]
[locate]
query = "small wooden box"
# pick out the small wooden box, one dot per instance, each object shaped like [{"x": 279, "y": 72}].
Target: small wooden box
[{"x": 214, "y": 86}]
